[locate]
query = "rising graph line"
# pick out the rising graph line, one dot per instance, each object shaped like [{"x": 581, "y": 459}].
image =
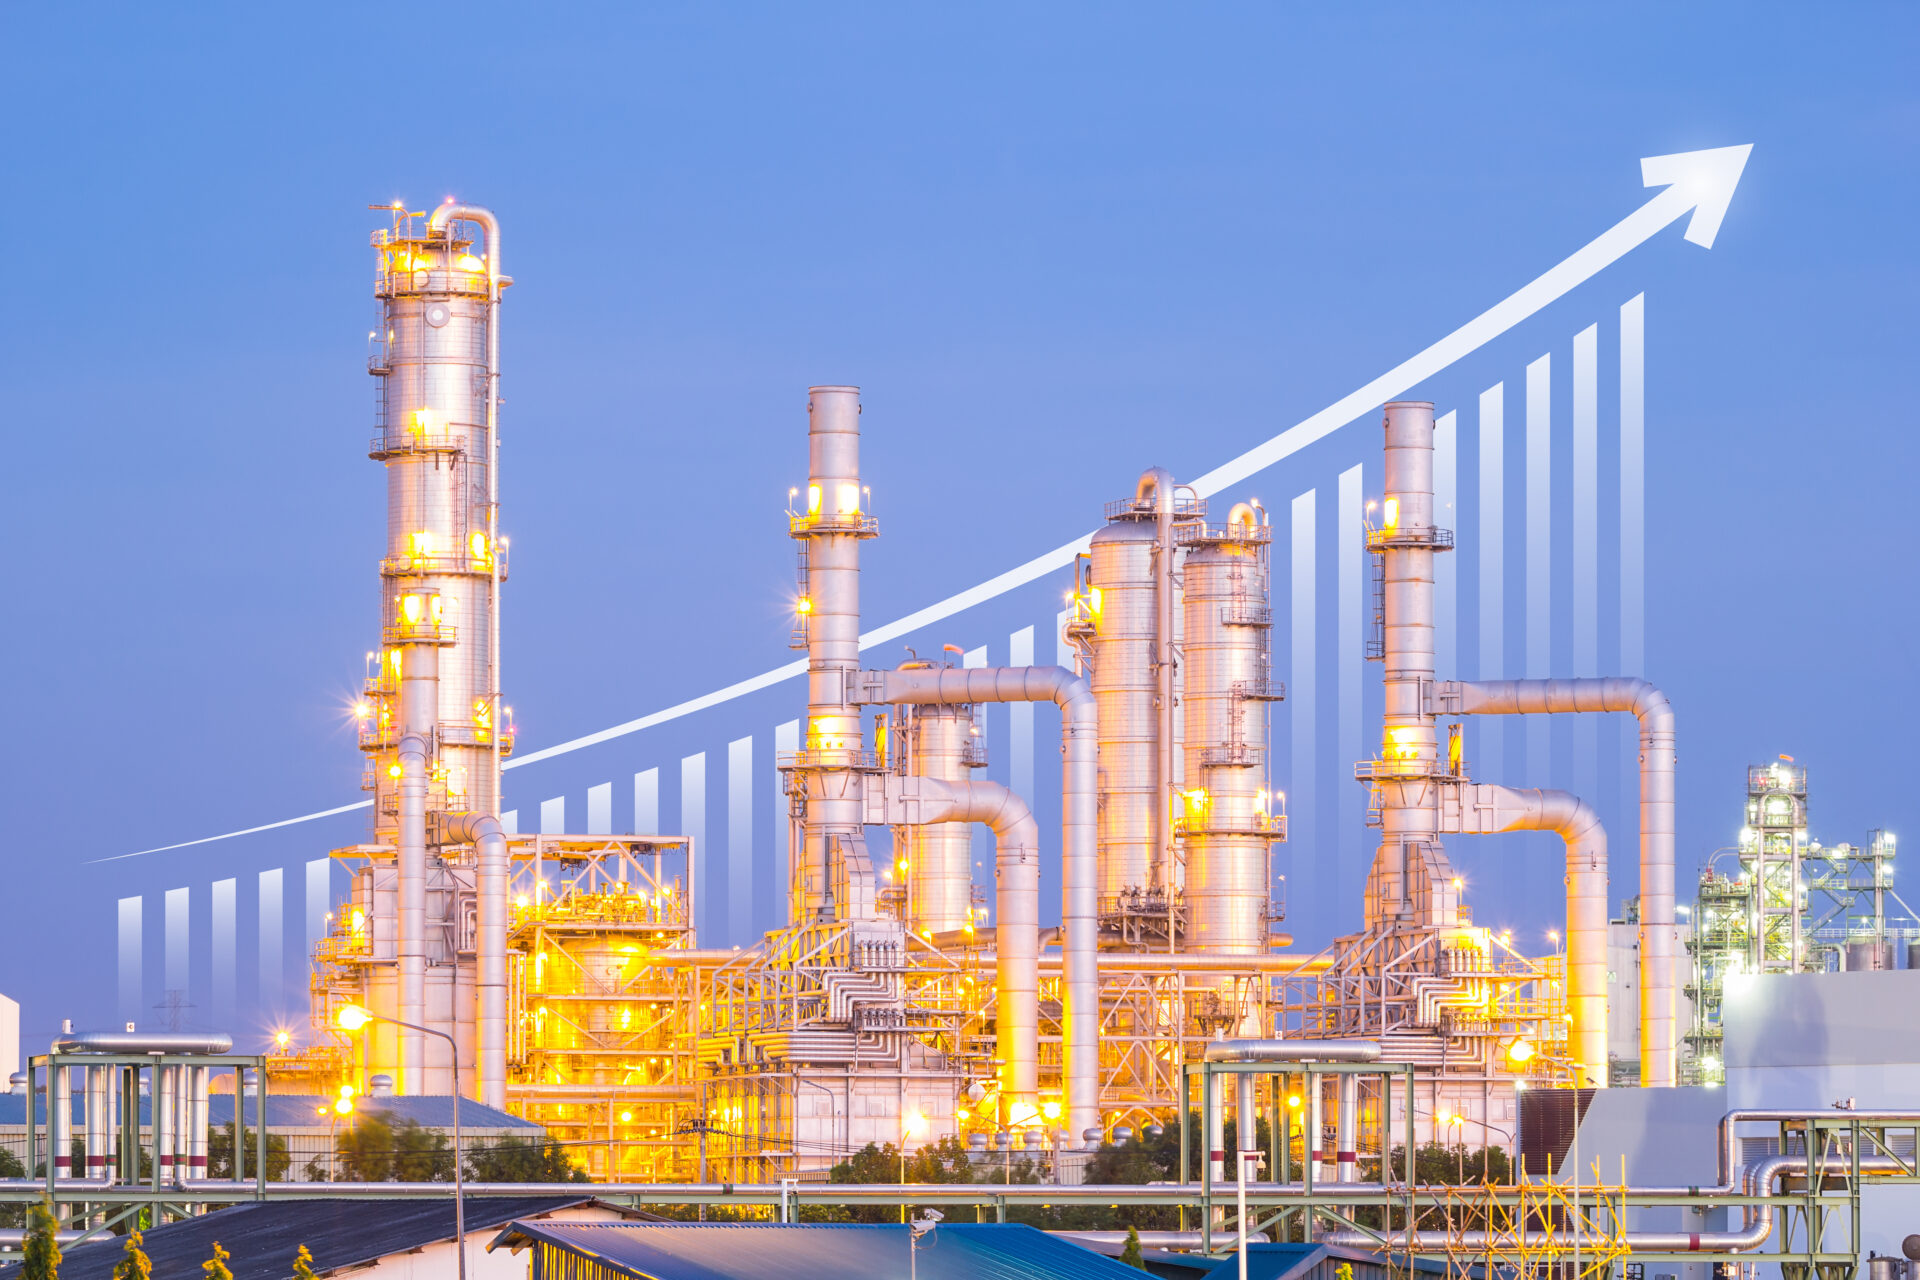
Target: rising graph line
[{"x": 1700, "y": 183}]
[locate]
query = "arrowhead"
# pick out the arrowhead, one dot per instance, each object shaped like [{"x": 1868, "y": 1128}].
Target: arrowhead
[{"x": 1705, "y": 178}]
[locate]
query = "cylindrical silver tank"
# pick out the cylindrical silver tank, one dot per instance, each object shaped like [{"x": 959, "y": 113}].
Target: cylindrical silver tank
[
  {"x": 1224, "y": 822},
  {"x": 827, "y": 883},
  {"x": 1869, "y": 956},
  {"x": 940, "y": 744},
  {"x": 1123, "y": 682},
  {"x": 431, "y": 358}
]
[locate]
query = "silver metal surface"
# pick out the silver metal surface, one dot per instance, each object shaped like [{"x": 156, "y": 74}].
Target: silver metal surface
[
  {"x": 484, "y": 832},
  {"x": 833, "y": 877},
  {"x": 1225, "y": 822},
  {"x": 940, "y": 741},
  {"x": 1293, "y": 1051},
  {"x": 1079, "y": 731},
  {"x": 1124, "y": 679},
  {"x": 168, "y": 1042},
  {"x": 1659, "y": 1030},
  {"x": 1481, "y": 809}
]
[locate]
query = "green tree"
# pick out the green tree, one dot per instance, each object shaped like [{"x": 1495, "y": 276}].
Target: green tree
[
  {"x": 1130, "y": 1256},
  {"x": 135, "y": 1265},
  {"x": 303, "y": 1265},
  {"x": 421, "y": 1154},
  {"x": 215, "y": 1268},
  {"x": 365, "y": 1149},
  {"x": 11, "y": 1166},
  {"x": 220, "y": 1153},
  {"x": 373, "y": 1150},
  {"x": 869, "y": 1164},
  {"x": 42, "y": 1260},
  {"x": 518, "y": 1160}
]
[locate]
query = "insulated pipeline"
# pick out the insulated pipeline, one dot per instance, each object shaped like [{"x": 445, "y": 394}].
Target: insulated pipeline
[
  {"x": 1079, "y": 808},
  {"x": 1017, "y": 907},
  {"x": 1658, "y": 1032},
  {"x": 489, "y": 840},
  {"x": 1485, "y": 809},
  {"x": 413, "y": 901}
]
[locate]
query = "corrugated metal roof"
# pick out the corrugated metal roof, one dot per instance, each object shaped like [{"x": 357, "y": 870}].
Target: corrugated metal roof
[
  {"x": 806, "y": 1251},
  {"x": 263, "y": 1237}
]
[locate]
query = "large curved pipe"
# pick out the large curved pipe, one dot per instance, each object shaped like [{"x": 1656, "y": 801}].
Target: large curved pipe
[
  {"x": 1079, "y": 730},
  {"x": 1486, "y": 809},
  {"x": 489, "y": 840},
  {"x": 1017, "y": 911},
  {"x": 1658, "y": 1033}
]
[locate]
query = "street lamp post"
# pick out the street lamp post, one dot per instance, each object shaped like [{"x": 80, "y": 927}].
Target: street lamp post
[{"x": 351, "y": 1018}]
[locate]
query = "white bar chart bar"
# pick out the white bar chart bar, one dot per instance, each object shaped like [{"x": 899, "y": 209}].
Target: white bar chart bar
[
  {"x": 1303, "y": 632},
  {"x": 1020, "y": 721},
  {"x": 510, "y": 822},
  {"x": 600, "y": 809},
  {"x": 225, "y": 957},
  {"x": 786, "y": 738},
  {"x": 319, "y": 903},
  {"x": 1633, "y": 487},
  {"x": 131, "y": 994},
  {"x": 271, "y": 937},
  {"x": 1446, "y": 588},
  {"x": 553, "y": 816},
  {"x": 1585, "y": 730},
  {"x": 740, "y": 877},
  {"x": 646, "y": 803},
  {"x": 711, "y": 911},
  {"x": 1490, "y": 731},
  {"x": 1539, "y": 656},
  {"x": 1349, "y": 550},
  {"x": 178, "y": 971}
]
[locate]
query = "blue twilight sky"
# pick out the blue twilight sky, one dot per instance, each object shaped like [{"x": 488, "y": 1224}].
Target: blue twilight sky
[{"x": 1055, "y": 245}]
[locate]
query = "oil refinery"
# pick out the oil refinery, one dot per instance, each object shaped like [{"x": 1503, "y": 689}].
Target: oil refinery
[{"x": 559, "y": 977}]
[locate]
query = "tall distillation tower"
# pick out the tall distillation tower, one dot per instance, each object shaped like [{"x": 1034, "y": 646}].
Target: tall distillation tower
[{"x": 431, "y": 719}]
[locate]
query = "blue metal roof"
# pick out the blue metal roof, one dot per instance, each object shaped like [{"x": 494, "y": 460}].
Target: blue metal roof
[
  {"x": 808, "y": 1251},
  {"x": 340, "y": 1233}
]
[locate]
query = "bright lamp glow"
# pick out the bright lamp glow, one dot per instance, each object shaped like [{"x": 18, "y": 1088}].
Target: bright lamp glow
[
  {"x": 351, "y": 1017},
  {"x": 1520, "y": 1051}
]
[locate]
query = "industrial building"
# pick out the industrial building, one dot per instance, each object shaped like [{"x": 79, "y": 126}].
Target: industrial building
[
  {"x": 900, "y": 1001},
  {"x": 559, "y": 978}
]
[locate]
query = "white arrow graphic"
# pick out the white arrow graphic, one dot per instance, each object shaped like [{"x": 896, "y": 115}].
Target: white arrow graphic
[{"x": 1697, "y": 182}]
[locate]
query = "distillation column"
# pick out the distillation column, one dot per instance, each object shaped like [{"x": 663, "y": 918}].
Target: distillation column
[
  {"x": 1422, "y": 795},
  {"x": 833, "y": 877},
  {"x": 1228, "y": 822},
  {"x": 431, "y": 718}
]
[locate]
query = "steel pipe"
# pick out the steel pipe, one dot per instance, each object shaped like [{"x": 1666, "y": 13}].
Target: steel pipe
[
  {"x": 1017, "y": 905},
  {"x": 1293, "y": 1051},
  {"x": 440, "y": 223},
  {"x": 1079, "y": 730},
  {"x": 489, "y": 840},
  {"x": 1658, "y": 980},
  {"x": 1484, "y": 809},
  {"x": 1755, "y": 1230},
  {"x": 413, "y": 899},
  {"x": 129, "y": 1042}
]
